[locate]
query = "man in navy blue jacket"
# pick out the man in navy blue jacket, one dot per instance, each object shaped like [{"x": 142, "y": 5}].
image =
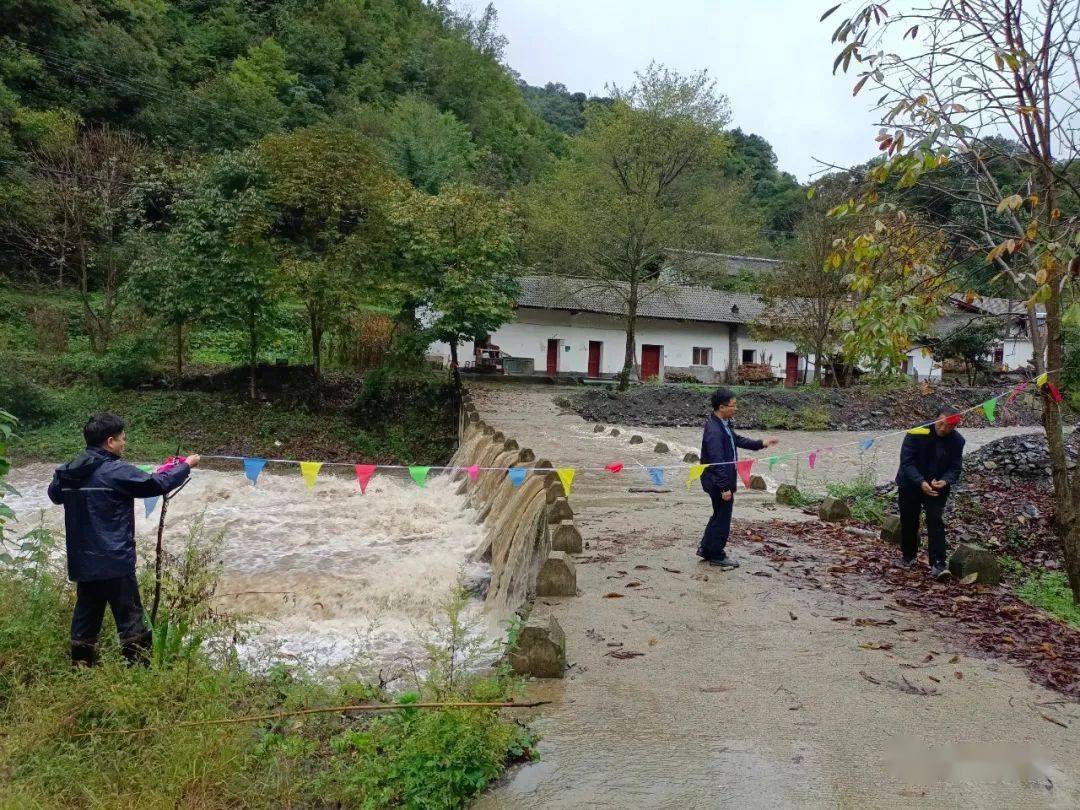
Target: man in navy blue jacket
[
  {"x": 931, "y": 460},
  {"x": 719, "y": 447},
  {"x": 98, "y": 492}
]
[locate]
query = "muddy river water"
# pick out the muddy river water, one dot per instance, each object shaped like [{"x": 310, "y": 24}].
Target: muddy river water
[{"x": 330, "y": 575}]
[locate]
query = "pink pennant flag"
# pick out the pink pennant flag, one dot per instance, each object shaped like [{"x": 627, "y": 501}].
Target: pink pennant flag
[
  {"x": 363, "y": 476},
  {"x": 474, "y": 472},
  {"x": 813, "y": 459},
  {"x": 614, "y": 467},
  {"x": 744, "y": 468},
  {"x": 1017, "y": 391}
]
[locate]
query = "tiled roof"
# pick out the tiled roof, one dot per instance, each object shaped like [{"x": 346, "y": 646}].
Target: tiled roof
[
  {"x": 993, "y": 306},
  {"x": 669, "y": 301}
]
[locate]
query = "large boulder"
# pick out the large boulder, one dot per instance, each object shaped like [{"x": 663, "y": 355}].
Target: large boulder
[
  {"x": 557, "y": 576},
  {"x": 566, "y": 537},
  {"x": 540, "y": 650},
  {"x": 971, "y": 559},
  {"x": 788, "y": 495},
  {"x": 833, "y": 510},
  {"x": 890, "y": 529},
  {"x": 758, "y": 483},
  {"x": 558, "y": 511}
]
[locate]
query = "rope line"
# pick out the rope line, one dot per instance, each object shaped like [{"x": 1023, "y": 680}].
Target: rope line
[{"x": 779, "y": 457}]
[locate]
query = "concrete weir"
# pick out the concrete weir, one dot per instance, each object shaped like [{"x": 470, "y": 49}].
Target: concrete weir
[{"x": 529, "y": 534}]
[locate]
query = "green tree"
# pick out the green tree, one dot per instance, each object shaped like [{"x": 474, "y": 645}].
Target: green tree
[
  {"x": 458, "y": 251},
  {"x": 973, "y": 342},
  {"x": 644, "y": 177},
  {"x": 429, "y": 148},
  {"x": 330, "y": 192}
]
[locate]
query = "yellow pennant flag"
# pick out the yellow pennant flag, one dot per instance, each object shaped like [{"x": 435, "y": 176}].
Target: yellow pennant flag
[
  {"x": 1042, "y": 378},
  {"x": 919, "y": 431},
  {"x": 566, "y": 475},
  {"x": 695, "y": 473},
  {"x": 310, "y": 470}
]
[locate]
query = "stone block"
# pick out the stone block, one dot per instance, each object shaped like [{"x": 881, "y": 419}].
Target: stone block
[
  {"x": 972, "y": 559},
  {"x": 557, "y": 576},
  {"x": 599, "y": 429},
  {"x": 566, "y": 537},
  {"x": 615, "y": 432},
  {"x": 691, "y": 458},
  {"x": 890, "y": 529},
  {"x": 511, "y": 444},
  {"x": 788, "y": 495},
  {"x": 833, "y": 510},
  {"x": 558, "y": 511},
  {"x": 758, "y": 483},
  {"x": 635, "y": 439},
  {"x": 661, "y": 448},
  {"x": 540, "y": 650},
  {"x": 526, "y": 456}
]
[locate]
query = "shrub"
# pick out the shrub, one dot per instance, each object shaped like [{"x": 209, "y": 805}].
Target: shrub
[
  {"x": 1049, "y": 591},
  {"x": 130, "y": 362},
  {"x": 774, "y": 417},
  {"x": 812, "y": 418},
  {"x": 21, "y": 396},
  {"x": 861, "y": 495}
]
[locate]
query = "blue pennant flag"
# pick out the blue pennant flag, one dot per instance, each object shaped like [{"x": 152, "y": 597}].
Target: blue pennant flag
[
  {"x": 252, "y": 468},
  {"x": 656, "y": 474},
  {"x": 517, "y": 475},
  {"x": 150, "y": 504},
  {"x": 866, "y": 444}
]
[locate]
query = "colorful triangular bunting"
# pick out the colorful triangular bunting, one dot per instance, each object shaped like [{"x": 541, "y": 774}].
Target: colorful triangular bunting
[
  {"x": 813, "y": 459},
  {"x": 1042, "y": 379},
  {"x": 419, "y": 475},
  {"x": 657, "y": 475},
  {"x": 866, "y": 444},
  {"x": 1055, "y": 394},
  {"x": 474, "y": 472},
  {"x": 517, "y": 475},
  {"x": 744, "y": 467},
  {"x": 919, "y": 431},
  {"x": 566, "y": 475},
  {"x": 990, "y": 409},
  {"x": 772, "y": 462},
  {"x": 252, "y": 468},
  {"x": 614, "y": 467},
  {"x": 364, "y": 472},
  {"x": 151, "y": 504},
  {"x": 310, "y": 471},
  {"x": 695, "y": 473}
]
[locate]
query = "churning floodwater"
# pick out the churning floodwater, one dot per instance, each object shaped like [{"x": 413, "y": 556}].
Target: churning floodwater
[{"x": 329, "y": 576}]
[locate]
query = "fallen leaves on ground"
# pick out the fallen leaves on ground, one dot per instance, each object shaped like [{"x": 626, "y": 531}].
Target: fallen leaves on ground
[
  {"x": 985, "y": 619},
  {"x": 613, "y": 595},
  {"x": 623, "y": 654}
]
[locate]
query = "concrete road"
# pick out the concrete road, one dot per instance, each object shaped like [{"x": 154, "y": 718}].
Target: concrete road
[{"x": 747, "y": 693}]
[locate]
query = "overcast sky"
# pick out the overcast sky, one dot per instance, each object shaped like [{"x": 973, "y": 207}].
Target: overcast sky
[{"x": 772, "y": 58}]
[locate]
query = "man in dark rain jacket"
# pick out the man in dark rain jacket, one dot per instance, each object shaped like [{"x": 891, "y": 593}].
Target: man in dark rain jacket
[
  {"x": 719, "y": 445},
  {"x": 98, "y": 492},
  {"x": 931, "y": 460}
]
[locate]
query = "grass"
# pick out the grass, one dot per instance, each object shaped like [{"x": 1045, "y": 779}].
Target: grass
[
  {"x": 861, "y": 494},
  {"x": 409, "y": 758},
  {"x": 1049, "y": 591}
]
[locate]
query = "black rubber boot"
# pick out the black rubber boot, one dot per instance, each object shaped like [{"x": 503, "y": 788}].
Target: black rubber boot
[
  {"x": 83, "y": 654},
  {"x": 137, "y": 650}
]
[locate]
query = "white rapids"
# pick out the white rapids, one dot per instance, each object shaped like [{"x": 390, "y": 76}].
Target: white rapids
[{"x": 330, "y": 576}]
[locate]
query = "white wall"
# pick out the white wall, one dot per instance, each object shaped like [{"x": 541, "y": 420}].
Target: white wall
[
  {"x": 528, "y": 337},
  {"x": 773, "y": 352}
]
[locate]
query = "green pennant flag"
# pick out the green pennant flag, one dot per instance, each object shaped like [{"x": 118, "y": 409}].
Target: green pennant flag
[
  {"x": 772, "y": 462},
  {"x": 419, "y": 475},
  {"x": 147, "y": 468},
  {"x": 989, "y": 408}
]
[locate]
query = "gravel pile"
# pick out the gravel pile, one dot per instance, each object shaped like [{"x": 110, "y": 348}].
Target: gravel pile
[
  {"x": 1019, "y": 456},
  {"x": 796, "y": 409}
]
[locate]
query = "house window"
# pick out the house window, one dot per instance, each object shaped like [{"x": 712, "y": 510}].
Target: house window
[
  {"x": 702, "y": 356},
  {"x": 748, "y": 355},
  {"x": 999, "y": 356}
]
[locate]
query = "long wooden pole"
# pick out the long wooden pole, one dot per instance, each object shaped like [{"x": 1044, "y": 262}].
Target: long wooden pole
[{"x": 278, "y": 715}]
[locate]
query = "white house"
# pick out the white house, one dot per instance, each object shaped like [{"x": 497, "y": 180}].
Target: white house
[{"x": 576, "y": 327}]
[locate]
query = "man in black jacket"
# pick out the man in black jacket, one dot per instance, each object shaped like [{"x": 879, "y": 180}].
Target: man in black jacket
[
  {"x": 719, "y": 448},
  {"x": 931, "y": 460},
  {"x": 98, "y": 492}
]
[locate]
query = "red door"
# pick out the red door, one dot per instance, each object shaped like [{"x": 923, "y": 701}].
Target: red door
[
  {"x": 650, "y": 362},
  {"x": 791, "y": 370},
  {"x": 553, "y": 356},
  {"x": 595, "y": 347}
]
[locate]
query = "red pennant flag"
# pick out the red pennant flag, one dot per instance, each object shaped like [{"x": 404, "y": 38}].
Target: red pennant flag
[
  {"x": 1054, "y": 393},
  {"x": 363, "y": 476},
  {"x": 744, "y": 467},
  {"x": 813, "y": 459},
  {"x": 614, "y": 467},
  {"x": 953, "y": 420},
  {"x": 1017, "y": 391}
]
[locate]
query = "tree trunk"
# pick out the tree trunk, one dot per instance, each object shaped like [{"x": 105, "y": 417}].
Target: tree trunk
[
  {"x": 629, "y": 368},
  {"x": 179, "y": 350},
  {"x": 316, "y": 342},
  {"x": 253, "y": 337}
]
